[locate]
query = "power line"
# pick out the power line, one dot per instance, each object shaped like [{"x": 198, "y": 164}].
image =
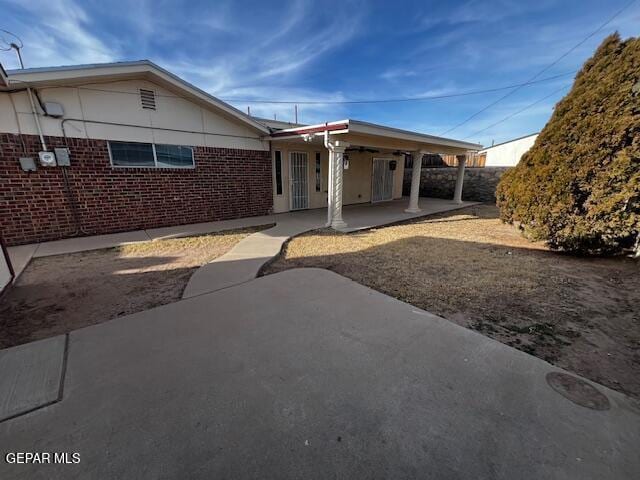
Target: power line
[
  {"x": 395, "y": 100},
  {"x": 518, "y": 112},
  {"x": 543, "y": 70},
  {"x": 332, "y": 102}
]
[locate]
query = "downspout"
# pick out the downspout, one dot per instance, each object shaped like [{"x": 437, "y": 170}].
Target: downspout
[
  {"x": 37, "y": 119},
  {"x": 329, "y": 178}
]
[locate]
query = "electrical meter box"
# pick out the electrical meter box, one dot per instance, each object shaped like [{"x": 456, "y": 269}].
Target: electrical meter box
[
  {"x": 47, "y": 159},
  {"x": 62, "y": 157}
]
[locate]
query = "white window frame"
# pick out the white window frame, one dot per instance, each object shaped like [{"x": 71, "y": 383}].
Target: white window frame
[{"x": 155, "y": 157}]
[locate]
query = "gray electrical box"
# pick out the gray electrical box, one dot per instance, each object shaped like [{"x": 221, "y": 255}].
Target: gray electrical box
[
  {"x": 28, "y": 164},
  {"x": 62, "y": 157}
]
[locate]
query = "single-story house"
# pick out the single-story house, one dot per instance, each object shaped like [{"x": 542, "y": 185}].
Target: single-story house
[
  {"x": 506, "y": 154},
  {"x": 104, "y": 148}
]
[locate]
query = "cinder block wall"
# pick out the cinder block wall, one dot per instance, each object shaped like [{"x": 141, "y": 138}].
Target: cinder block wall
[
  {"x": 35, "y": 207},
  {"x": 479, "y": 183}
]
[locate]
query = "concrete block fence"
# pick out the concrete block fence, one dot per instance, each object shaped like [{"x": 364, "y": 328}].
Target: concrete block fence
[{"x": 479, "y": 183}]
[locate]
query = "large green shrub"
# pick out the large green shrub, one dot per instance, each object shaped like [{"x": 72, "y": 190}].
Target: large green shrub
[{"x": 578, "y": 188}]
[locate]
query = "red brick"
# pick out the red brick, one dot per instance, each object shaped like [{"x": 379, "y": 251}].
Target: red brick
[{"x": 34, "y": 207}]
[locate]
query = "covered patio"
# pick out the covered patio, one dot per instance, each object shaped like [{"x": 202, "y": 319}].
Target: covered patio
[
  {"x": 367, "y": 215},
  {"x": 376, "y": 155}
]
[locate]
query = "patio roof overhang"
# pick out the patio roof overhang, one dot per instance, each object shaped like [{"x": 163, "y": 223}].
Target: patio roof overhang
[
  {"x": 359, "y": 133},
  {"x": 340, "y": 135}
]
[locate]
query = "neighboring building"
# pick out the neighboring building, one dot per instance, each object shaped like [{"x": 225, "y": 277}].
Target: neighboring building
[
  {"x": 506, "y": 154},
  {"x": 96, "y": 149}
]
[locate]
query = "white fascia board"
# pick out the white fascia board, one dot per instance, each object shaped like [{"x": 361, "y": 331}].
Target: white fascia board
[
  {"x": 357, "y": 126},
  {"x": 142, "y": 68},
  {"x": 313, "y": 127}
]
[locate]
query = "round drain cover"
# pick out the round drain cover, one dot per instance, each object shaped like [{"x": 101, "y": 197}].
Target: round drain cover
[{"x": 578, "y": 391}]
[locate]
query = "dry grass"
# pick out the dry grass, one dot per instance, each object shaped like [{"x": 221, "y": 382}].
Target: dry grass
[
  {"x": 61, "y": 293},
  {"x": 467, "y": 266}
]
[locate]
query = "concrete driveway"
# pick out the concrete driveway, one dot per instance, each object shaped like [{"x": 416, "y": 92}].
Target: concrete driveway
[{"x": 306, "y": 374}]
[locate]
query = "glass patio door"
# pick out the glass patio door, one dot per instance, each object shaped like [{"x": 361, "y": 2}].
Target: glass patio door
[{"x": 382, "y": 180}]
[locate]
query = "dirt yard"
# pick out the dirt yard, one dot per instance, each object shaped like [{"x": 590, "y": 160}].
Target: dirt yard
[
  {"x": 581, "y": 314},
  {"x": 64, "y": 292}
]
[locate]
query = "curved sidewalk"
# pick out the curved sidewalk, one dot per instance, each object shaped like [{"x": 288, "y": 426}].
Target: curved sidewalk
[{"x": 243, "y": 262}]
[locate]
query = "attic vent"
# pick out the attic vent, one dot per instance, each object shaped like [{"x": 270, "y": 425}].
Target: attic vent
[{"x": 148, "y": 99}]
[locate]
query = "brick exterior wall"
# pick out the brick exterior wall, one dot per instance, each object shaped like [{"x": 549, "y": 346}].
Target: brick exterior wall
[
  {"x": 479, "y": 183},
  {"x": 35, "y": 207}
]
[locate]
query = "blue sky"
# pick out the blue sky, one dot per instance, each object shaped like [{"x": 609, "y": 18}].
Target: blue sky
[{"x": 347, "y": 50}]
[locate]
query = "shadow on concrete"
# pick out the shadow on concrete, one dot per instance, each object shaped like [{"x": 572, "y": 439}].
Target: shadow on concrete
[
  {"x": 333, "y": 381},
  {"x": 578, "y": 313}
]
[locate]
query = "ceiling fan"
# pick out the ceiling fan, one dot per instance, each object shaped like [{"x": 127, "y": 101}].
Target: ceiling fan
[
  {"x": 362, "y": 150},
  {"x": 399, "y": 153}
]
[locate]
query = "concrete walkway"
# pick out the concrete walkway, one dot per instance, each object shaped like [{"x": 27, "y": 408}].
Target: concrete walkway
[
  {"x": 21, "y": 255},
  {"x": 294, "y": 223},
  {"x": 306, "y": 374},
  {"x": 243, "y": 262}
]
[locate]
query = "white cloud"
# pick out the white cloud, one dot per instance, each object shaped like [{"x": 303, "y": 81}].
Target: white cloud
[{"x": 61, "y": 35}]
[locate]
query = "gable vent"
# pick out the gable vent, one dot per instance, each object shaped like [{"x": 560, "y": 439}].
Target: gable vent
[{"x": 148, "y": 99}]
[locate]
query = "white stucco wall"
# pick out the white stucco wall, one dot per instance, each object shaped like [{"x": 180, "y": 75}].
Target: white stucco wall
[
  {"x": 5, "y": 274},
  {"x": 508, "y": 154},
  {"x": 186, "y": 122},
  {"x": 357, "y": 179}
]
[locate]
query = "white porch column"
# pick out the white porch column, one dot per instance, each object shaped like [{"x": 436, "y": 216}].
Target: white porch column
[
  {"x": 414, "y": 196},
  {"x": 457, "y": 196},
  {"x": 330, "y": 198},
  {"x": 336, "y": 159}
]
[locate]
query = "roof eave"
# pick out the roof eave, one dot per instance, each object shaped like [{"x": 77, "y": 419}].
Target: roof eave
[
  {"x": 365, "y": 128},
  {"x": 357, "y": 126},
  {"x": 35, "y": 76}
]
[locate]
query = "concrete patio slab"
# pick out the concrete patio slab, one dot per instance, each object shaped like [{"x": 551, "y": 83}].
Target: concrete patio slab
[
  {"x": 30, "y": 376},
  {"x": 359, "y": 218},
  {"x": 306, "y": 374}
]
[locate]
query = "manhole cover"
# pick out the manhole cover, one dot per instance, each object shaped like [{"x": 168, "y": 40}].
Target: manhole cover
[{"x": 578, "y": 391}]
